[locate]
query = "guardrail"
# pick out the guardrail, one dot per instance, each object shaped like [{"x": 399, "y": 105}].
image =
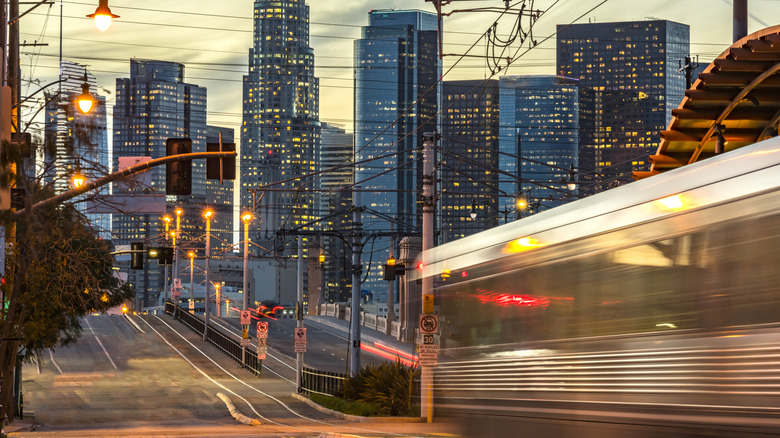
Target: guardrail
[
  {"x": 320, "y": 382},
  {"x": 228, "y": 344}
]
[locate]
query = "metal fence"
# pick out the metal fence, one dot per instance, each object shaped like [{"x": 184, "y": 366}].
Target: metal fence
[
  {"x": 312, "y": 380},
  {"x": 320, "y": 382},
  {"x": 230, "y": 345}
]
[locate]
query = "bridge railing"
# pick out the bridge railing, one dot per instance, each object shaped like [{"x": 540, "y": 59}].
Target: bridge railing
[
  {"x": 320, "y": 382},
  {"x": 229, "y": 345}
]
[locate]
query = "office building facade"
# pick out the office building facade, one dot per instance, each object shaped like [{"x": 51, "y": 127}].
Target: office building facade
[
  {"x": 77, "y": 142},
  {"x": 280, "y": 130},
  {"x": 469, "y": 158},
  {"x": 396, "y": 99},
  {"x": 153, "y": 105},
  {"x": 632, "y": 68},
  {"x": 541, "y": 118}
]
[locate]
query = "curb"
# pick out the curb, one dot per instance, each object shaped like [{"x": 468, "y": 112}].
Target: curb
[
  {"x": 355, "y": 418},
  {"x": 238, "y": 416}
]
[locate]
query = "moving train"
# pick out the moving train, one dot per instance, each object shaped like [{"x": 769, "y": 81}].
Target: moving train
[{"x": 649, "y": 310}]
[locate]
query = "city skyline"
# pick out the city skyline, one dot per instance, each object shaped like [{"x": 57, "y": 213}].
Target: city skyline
[{"x": 213, "y": 46}]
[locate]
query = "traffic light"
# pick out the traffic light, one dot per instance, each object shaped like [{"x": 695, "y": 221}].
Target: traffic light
[
  {"x": 179, "y": 173},
  {"x": 226, "y": 165},
  {"x": 392, "y": 270},
  {"x": 165, "y": 256},
  {"x": 137, "y": 257}
]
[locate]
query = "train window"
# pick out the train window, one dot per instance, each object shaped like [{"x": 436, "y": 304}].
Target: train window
[{"x": 721, "y": 276}]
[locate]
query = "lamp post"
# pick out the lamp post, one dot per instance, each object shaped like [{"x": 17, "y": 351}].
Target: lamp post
[
  {"x": 178, "y": 212},
  {"x": 191, "y": 254},
  {"x": 207, "y": 214},
  {"x": 246, "y": 218},
  {"x": 167, "y": 219}
]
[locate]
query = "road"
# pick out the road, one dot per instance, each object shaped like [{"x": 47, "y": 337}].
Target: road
[
  {"x": 326, "y": 347},
  {"x": 150, "y": 375}
]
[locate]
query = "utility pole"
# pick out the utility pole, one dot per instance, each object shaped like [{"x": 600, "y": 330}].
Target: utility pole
[
  {"x": 688, "y": 69},
  {"x": 299, "y": 309},
  {"x": 740, "y": 29},
  {"x": 357, "y": 270},
  {"x": 429, "y": 202}
]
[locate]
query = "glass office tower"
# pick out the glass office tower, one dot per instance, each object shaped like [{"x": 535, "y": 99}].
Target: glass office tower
[
  {"x": 280, "y": 131},
  {"x": 77, "y": 142},
  {"x": 540, "y": 122},
  {"x": 152, "y": 105},
  {"x": 469, "y": 172},
  {"x": 397, "y": 66},
  {"x": 632, "y": 69}
]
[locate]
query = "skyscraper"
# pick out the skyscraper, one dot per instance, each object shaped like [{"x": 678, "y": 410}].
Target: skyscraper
[
  {"x": 541, "y": 119},
  {"x": 336, "y": 160},
  {"x": 280, "y": 131},
  {"x": 77, "y": 142},
  {"x": 468, "y": 173},
  {"x": 632, "y": 69},
  {"x": 152, "y": 105},
  {"x": 396, "y": 98}
]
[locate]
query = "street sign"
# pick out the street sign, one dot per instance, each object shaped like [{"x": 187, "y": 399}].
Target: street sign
[
  {"x": 245, "y": 342},
  {"x": 262, "y": 342},
  {"x": 177, "y": 283},
  {"x": 246, "y": 317},
  {"x": 429, "y": 324},
  {"x": 245, "y": 332},
  {"x": 428, "y": 351},
  {"x": 262, "y": 351},
  {"x": 175, "y": 294},
  {"x": 262, "y": 329},
  {"x": 300, "y": 339}
]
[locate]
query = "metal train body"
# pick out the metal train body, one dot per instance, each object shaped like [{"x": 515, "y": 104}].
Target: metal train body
[{"x": 652, "y": 309}]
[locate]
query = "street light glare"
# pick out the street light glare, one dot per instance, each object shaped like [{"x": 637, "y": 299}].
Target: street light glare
[
  {"x": 78, "y": 180},
  {"x": 178, "y": 211},
  {"x": 103, "y": 16},
  {"x": 246, "y": 217},
  {"x": 208, "y": 213}
]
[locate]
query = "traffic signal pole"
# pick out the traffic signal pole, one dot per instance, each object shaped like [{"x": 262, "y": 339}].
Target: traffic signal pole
[{"x": 132, "y": 170}]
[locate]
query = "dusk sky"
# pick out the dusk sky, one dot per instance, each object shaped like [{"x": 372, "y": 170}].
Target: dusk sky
[{"x": 212, "y": 40}]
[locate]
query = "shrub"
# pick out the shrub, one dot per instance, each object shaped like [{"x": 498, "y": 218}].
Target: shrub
[{"x": 388, "y": 386}]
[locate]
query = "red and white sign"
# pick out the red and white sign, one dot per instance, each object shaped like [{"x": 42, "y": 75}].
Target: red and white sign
[
  {"x": 262, "y": 327},
  {"x": 429, "y": 324},
  {"x": 300, "y": 339},
  {"x": 246, "y": 317}
]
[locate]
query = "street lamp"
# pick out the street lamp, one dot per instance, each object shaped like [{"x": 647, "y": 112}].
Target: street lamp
[
  {"x": 78, "y": 179},
  {"x": 103, "y": 16},
  {"x": 207, "y": 214},
  {"x": 85, "y": 100}
]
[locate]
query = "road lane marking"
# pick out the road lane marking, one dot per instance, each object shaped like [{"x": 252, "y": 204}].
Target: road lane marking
[
  {"x": 51, "y": 354},
  {"x": 127, "y": 317},
  {"x": 101, "y": 344},
  {"x": 281, "y": 403}
]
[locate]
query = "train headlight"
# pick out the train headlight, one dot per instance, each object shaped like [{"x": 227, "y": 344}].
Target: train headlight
[{"x": 523, "y": 244}]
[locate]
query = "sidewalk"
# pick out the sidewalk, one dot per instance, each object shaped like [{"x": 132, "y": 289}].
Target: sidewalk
[{"x": 367, "y": 336}]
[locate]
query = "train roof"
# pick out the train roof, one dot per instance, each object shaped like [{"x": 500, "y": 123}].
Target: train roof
[{"x": 595, "y": 209}]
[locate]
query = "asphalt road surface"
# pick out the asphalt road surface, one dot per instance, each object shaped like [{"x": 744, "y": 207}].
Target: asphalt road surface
[{"x": 151, "y": 376}]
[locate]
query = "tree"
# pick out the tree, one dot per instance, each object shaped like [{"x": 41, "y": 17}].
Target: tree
[{"x": 57, "y": 270}]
